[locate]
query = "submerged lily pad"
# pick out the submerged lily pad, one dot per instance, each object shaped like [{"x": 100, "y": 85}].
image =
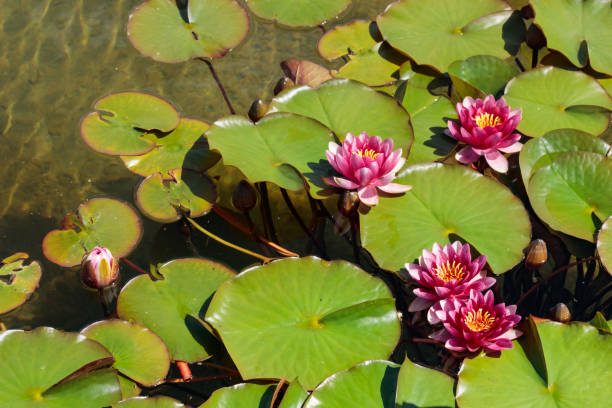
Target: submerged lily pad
[
  {"x": 157, "y": 30},
  {"x": 164, "y": 198},
  {"x": 174, "y": 307},
  {"x": 287, "y": 318},
  {"x": 484, "y": 73},
  {"x": 255, "y": 396},
  {"x": 604, "y": 244},
  {"x": 298, "y": 13},
  {"x": 22, "y": 281},
  {"x": 120, "y": 121},
  {"x": 441, "y": 32},
  {"x": 552, "y": 98},
  {"x": 48, "y": 368},
  {"x": 446, "y": 202},
  {"x": 159, "y": 401},
  {"x": 100, "y": 222}
]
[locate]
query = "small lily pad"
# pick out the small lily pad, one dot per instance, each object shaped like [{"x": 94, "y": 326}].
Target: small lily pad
[
  {"x": 160, "y": 401},
  {"x": 120, "y": 121},
  {"x": 604, "y": 244},
  {"x": 100, "y": 222},
  {"x": 174, "y": 307},
  {"x": 255, "y": 396},
  {"x": 22, "y": 281},
  {"x": 164, "y": 198},
  {"x": 157, "y": 30},
  {"x": 346, "y": 39},
  {"x": 298, "y": 13},
  {"x": 484, "y": 73}
]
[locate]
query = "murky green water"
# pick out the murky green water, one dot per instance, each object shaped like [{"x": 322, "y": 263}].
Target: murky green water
[{"x": 56, "y": 58}]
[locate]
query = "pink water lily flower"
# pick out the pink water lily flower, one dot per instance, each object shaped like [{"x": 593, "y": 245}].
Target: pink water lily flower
[
  {"x": 476, "y": 323},
  {"x": 447, "y": 272},
  {"x": 487, "y": 127},
  {"x": 98, "y": 268},
  {"x": 367, "y": 164}
]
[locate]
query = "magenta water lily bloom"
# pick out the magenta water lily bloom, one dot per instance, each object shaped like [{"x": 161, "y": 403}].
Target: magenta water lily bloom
[
  {"x": 476, "y": 323},
  {"x": 487, "y": 126},
  {"x": 367, "y": 164},
  {"x": 447, "y": 272}
]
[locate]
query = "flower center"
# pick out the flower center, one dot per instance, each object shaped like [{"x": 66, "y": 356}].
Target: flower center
[
  {"x": 479, "y": 320},
  {"x": 371, "y": 153},
  {"x": 450, "y": 271},
  {"x": 487, "y": 119}
]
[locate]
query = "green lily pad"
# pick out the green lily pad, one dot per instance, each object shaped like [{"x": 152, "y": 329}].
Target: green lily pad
[
  {"x": 277, "y": 148},
  {"x": 419, "y": 386},
  {"x": 120, "y": 121},
  {"x": 607, "y": 84},
  {"x": 579, "y": 29},
  {"x": 552, "y": 98},
  {"x": 174, "y": 307},
  {"x": 422, "y": 29},
  {"x": 484, "y": 73},
  {"x": 294, "y": 396},
  {"x": 164, "y": 198},
  {"x": 298, "y": 13},
  {"x": 160, "y": 401},
  {"x": 600, "y": 322},
  {"x": 604, "y": 244},
  {"x": 48, "y": 368},
  {"x": 139, "y": 353},
  {"x": 255, "y": 396},
  {"x": 22, "y": 281},
  {"x": 445, "y": 202},
  {"x": 157, "y": 30},
  {"x": 287, "y": 318},
  {"x": 347, "y": 106},
  {"x": 185, "y": 147},
  {"x": 577, "y": 357},
  {"x": 540, "y": 152},
  {"x": 129, "y": 388},
  {"x": 570, "y": 191},
  {"x": 95, "y": 225},
  {"x": 375, "y": 66},
  {"x": 346, "y": 39}
]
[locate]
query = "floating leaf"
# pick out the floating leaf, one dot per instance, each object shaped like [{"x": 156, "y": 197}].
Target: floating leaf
[
  {"x": 185, "y": 147},
  {"x": 255, "y": 396},
  {"x": 48, "y": 368},
  {"x": 422, "y": 29},
  {"x": 164, "y": 198},
  {"x": 100, "y": 222},
  {"x": 346, "y": 39},
  {"x": 139, "y": 353},
  {"x": 159, "y": 401},
  {"x": 604, "y": 244},
  {"x": 446, "y": 202},
  {"x": 568, "y": 193},
  {"x": 120, "y": 121},
  {"x": 173, "y": 307},
  {"x": 375, "y": 66},
  {"x": 294, "y": 396},
  {"x": 600, "y": 322},
  {"x": 129, "y": 388},
  {"x": 287, "y": 318},
  {"x": 485, "y": 73},
  {"x": 19, "y": 281},
  {"x": 552, "y": 98},
  {"x": 298, "y": 13},
  {"x": 157, "y": 30},
  {"x": 418, "y": 386}
]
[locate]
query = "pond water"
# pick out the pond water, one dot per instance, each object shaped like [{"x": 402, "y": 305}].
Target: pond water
[{"x": 56, "y": 58}]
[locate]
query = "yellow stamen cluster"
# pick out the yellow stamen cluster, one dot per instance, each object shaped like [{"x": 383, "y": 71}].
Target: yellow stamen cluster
[
  {"x": 450, "y": 271},
  {"x": 487, "y": 119},
  {"x": 371, "y": 153},
  {"x": 479, "y": 320}
]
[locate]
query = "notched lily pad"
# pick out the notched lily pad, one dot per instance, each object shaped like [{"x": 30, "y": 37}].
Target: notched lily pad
[
  {"x": 298, "y": 13},
  {"x": 481, "y": 75},
  {"x": 120, "y": 121},
  {"x": 604, "y": 244},
  {"x": 99, "y": 222},
  {"x": 17, "y": 281}
]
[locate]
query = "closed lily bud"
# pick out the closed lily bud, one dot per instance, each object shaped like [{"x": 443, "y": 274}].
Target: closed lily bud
[
  {"x": 258, "y": 110},
  {"x": 560, "y": 313},
  {"x": 535, "y": 37},
  {"x": 99, "y": 269},
  {"x": 282, "y": 84},
  {"x": 244, "y": 197},
  {"x": 537, "y": 255}
]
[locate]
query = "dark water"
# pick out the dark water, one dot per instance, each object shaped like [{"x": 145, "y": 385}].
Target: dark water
[{"x": 56, "y": 58}]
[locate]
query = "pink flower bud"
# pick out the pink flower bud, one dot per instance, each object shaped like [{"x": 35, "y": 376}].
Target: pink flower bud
[{"x": 99, "y": 269}]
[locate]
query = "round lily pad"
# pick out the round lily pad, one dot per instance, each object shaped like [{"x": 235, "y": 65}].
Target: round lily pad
[
  {"x": 139, "y": 353},
  {"x": 157, "y": 30},
  {"x": 255, "y": 396},
  {"x": 568, "y": 193},
  {"x": 421, "y": 29},
  {"x": 274, "y": 148},
  {"x": 160, "y": 401},
  {"x": 120, "y": 121},
  {"x": 447, "y": 202},
  {"x": 48, "y": 368},
  {"x": 347, "y": 106},
  {"x": 185, "y": 147},
  {"x": 579, "y": 29},
  {"x": 484, "y": 73},
  {"x": 346, "y": 39},
  {"x": 100, "y": 222},
  {"x": 174, "y": 307},
  {"x": 287, "y": 318},
  {"x": 552, "y": 98},
  {"x": 512, "y": 380},
  {"x": 19, "y": 281},
  {"x": 419, "y": 386},
  {"x": 298, "y": 13},
  {"x": 164, "y": 198},
  {"x": 604, "y": 244}
]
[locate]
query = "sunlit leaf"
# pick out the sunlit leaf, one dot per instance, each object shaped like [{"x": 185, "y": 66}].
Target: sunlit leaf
[{"x": 298, "y": 13}]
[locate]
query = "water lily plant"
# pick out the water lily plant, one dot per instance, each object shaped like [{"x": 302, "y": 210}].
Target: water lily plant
[{"x": 98, "y": 268}]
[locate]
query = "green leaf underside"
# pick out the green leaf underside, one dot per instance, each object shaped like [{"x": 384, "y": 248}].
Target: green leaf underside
[
  {"x": 99, "y": 218},
  {"x": 604, "y": 244},
  {"x": 287, "y": 318},
  {"x": 159, "y": 401},
  {"x": 121, "y": 119},
  {"x": 354, "y": 36},
  {"x": 255, "y": 396},
  {"x": 298, "y": 13},
  {"x": 24, "y": 280},
  {"x": 174, "y": 306},
  {"x": 157, "y": 30},
  {"x": 446, "y": 202},
  {"x": 484, "y": 72}
]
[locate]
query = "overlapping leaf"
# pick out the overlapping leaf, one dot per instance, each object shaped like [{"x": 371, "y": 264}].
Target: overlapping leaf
[
  {"x": 298, "y": 13},
  {"x": 20, "y": 281}
]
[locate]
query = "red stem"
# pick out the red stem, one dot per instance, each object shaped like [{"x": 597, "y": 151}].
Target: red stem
[
  {"x": 184, "y": 370},
  {"x": 134, "y": 266}
]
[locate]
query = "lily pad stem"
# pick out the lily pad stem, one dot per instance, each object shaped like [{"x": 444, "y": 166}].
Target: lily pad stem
[
  {"x": 266, "y": 213},
  {"x": 219, "y": 84},
  {"x": 282, "y": 382},
  {"x": 185, "y": 371},
  {"x": 134, "y": 266},
  {"x": 2, "y": 326},
  {"x": 301, "y": 222}
]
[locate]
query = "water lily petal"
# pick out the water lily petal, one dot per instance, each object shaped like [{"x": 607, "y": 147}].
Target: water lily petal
[
  {"x": 497, "y": 161},
  {"x": 394, "y": 188},
  {"x": 368, "y": 195},
  {"x": 466, "y": 155}
]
